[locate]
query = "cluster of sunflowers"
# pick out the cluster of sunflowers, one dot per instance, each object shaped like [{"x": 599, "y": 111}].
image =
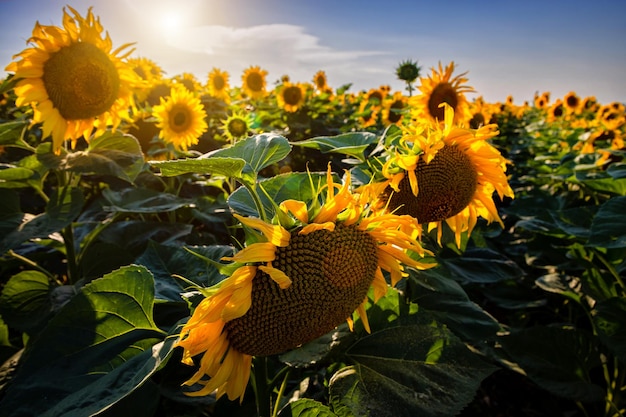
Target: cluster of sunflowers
[{"x": 306, "y": 270}]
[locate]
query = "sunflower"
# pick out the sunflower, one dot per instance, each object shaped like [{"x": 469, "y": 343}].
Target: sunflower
[
  {"x": 444, "y": 173},
  {"x": 253, "y": 82},
  {"x": 218, "y": 84},
  {"x": 149, "y": 72},
  {"x": 237, "y": 125},
  {"x": 320, "y": 82},
  {"x": 394, "y": 109},
  {"x": 572, "y": 102},
  {"x": 291, "y": 97},
  {"x": 73, "y": 80},
  {"x": 189, "y": 81},
  {"x": 296, "y": 283},
  {"x": 145, "y": 68},
  {"x": 440, "y": 87},
  {"x": 556, "y": 111},
  {"x": 181, "y": 118},
  {"x": 481, "y": 113}
]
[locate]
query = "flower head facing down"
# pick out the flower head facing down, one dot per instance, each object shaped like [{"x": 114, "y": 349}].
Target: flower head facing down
[
  {"x": 73, "y": 79},
  {"x": 181, "y": 118},
  {"x": 448, "y": 173},
  {"x": 297, "y": 284}
]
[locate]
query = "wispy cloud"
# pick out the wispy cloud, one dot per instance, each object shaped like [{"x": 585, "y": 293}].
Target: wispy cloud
[{"x": 278, "y": 48}]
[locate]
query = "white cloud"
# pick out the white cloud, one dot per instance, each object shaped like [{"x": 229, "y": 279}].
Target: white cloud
[{"x": 278, "y": 48}]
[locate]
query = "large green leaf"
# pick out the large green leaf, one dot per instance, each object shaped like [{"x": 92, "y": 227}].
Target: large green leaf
[
  {"x": 25, "y": 300},
  {"x": 297, "y": 185},
  {"x": 115, "y": 154},
  {"x": 142, "y": 200},
  {"x": 10, "y": 212},
  {"x": 608, "y": 229},
  {"x": 609, "y": 317},
  {"x": 481, "y": 265},
  {"x": 352, "y": 144},
  {"x": 104, "y": 393},
  {"x": 258, "y": 151},
  {"x": 120, "y": 243},
  {"x": 11, "y": 134},
  {"x": 100, "y": 329},
  {"x": 408, "y": 371},
  {"x": 305, "y": 407},
  {"x": 61, "y": 210},
  {"x": 448, "y": 302},
  {"x": 165, "y": 261},
  {"x": 228, "y": 167},
  {"x": 557, "y": 359}
]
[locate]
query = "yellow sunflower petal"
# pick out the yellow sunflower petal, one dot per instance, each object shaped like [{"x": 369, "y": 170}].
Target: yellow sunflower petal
[
  {"x": 277, "y": 235},
  {"x": 257, "y": 252}
]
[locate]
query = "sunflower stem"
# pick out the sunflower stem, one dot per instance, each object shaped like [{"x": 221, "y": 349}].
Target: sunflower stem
[
  {"x": 281, "y": 390},
  {"x": 261, "y": 387},
  {"x": 257, "y": 201}
]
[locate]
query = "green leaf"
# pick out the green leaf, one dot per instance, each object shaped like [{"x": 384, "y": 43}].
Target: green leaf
[
  {"x": 228, "y": 167},
  {"x": 10, "y": 212},
  {"x": 121, "y": 243},
  {"x": 142, "y": 200},
  {"x": 558, "y": 283},
  {"x": 407, "y": 371},
  {"x": 609, "y": 317},
  {"x": 100, "y": 329},
  {"x": 617, "y": 170},
  {"x": 258, "y": 151},
  {"x": 25, "y": 300},
  {"x": 15, "y": 174},
  {"x": 352, "y": 144},
  {"x": 114, "y": 154},
  {"x": 481, "y": 265},
  {"x": 609, "y": 184},
  {"x": 305, "y": 407},
  {"x": 575, "y": 221},
  {"x": 293, "y": 185},
  {"x": 557, "y": 359},
  {"x": 167, "y": 260},
  {"x": 61, "y": 210},
  {"x": 448, "y": 302},
  {"x": 318, "y": 349},
  {"x": 11, "y": 134},
  {"x": 104, "y": 393},
  {"x": 608, "y": 229}
]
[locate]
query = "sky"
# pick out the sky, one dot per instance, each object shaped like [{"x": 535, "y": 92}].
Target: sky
[{"x": 506, "y": 47}]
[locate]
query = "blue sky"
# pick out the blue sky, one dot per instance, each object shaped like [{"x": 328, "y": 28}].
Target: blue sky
[{"x": 506, "y": 47}]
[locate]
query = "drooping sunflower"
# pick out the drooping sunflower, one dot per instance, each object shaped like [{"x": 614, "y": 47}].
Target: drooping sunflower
[
  {"x": 291, "y": 97},
  {"x": 444, "y": 174},
  {"x": 73, "y": 79},
  {"x": 237, "y": 125},
  {"x": 253, "y": 82},
  {"x": 297, "y": 283},
  {"x": 440, "y": 87},
  {"x": 181, "y": 118},
  {"x": 218, "y": 85}
]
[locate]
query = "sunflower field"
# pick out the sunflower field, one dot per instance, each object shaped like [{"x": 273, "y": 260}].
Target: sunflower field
[{"x": 237, "y": 246}]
